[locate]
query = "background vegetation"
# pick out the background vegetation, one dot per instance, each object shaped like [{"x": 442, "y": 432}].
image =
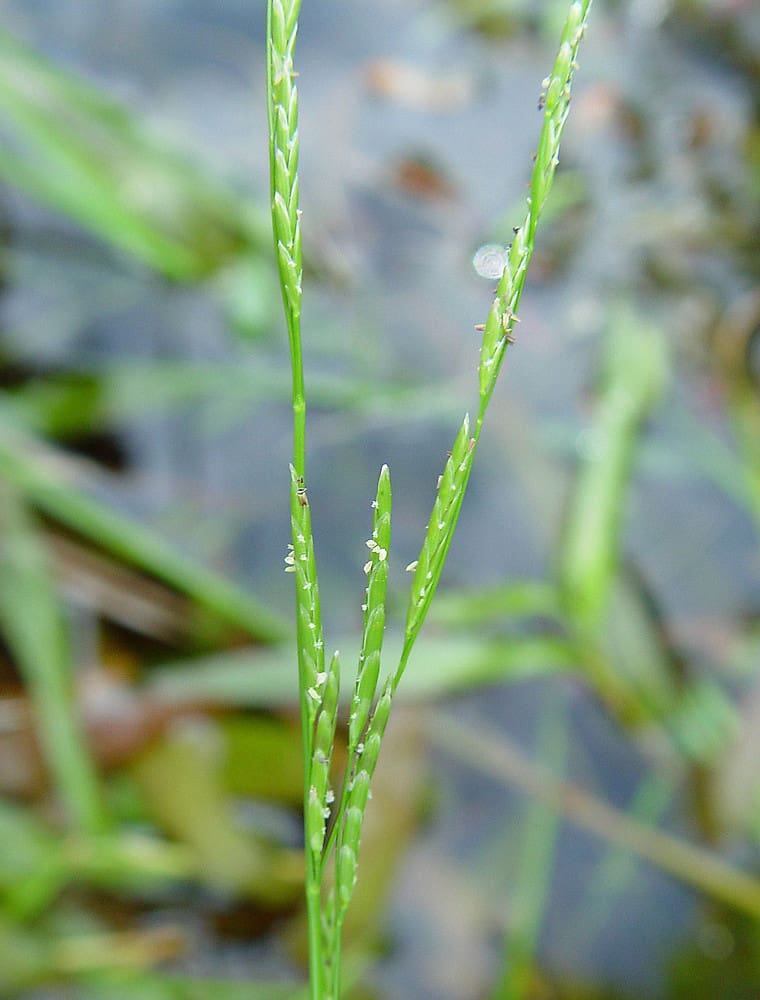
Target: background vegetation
[{"x": 569, "y": 806}]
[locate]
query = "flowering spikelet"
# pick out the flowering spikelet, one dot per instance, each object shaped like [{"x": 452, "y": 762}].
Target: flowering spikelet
[
  {"x": 320, "y": 794},
  {"x": 374, "y": 611},
  {"x": 356, "y": 803},
  {"x": 300, "y": 560},
  {"x": 283, "y": 126},
  {"x": 440, "y": 528}
]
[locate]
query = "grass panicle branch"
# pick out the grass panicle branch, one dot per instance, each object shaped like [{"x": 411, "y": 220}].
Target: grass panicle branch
[
  {"x": 376, "y": 569},
  {"x": 282, "y": 114},
  {"x": 497, "y": 331},
  {"x": 555, "y": 102}
]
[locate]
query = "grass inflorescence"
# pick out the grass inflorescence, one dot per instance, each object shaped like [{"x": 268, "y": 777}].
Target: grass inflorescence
[{"x": 332, "y": 826}]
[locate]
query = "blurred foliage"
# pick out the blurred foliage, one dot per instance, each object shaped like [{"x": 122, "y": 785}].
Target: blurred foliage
[
  {"x": 166, "y": 779},
  {"x": 77, "y": 151}
]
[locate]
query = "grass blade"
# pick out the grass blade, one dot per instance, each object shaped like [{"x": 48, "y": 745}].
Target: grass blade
[
  {"x": 633, "y": 376},
  {"x": 41, "y": 476},
  {"x": 33, "y": 626}
]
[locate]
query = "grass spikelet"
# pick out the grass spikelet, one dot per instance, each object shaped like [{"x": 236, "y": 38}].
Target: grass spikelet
[
  {"x": 308, "y": 613},
  {"x": 440, "y": 529},
  {"x": 345, "y": 869},
  {"x": 320, "y": 793},
  {"x": 283, "y": 128},
  {"x": 358, "y": 794},
  {"x": 374, "y": 611}
]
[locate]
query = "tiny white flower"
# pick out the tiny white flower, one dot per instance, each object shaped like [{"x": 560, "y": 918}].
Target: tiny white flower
[{"x": 368, "y": 566}]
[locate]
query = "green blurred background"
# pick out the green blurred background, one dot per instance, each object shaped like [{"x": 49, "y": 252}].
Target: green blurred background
[{"x": 568, "y": 804}]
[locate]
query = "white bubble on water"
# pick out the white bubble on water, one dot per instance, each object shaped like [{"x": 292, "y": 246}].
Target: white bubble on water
[{"x": 490, "y": 260}]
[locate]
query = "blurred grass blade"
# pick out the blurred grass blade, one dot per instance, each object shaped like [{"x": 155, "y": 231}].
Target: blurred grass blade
[
  {"x": 181, "y": 781},
  {"x": 704, "y": 870},
  {"x": 33, "y": 626},
  {"x": 157, "y": 986},
  {"x": 70, "y": 403},
  {"x": 36, "y": 863},
  {"x": 735, "y": 349},
  {"x": 442, "y": 666},
  {"x": 633, "y": 375},
  {"x": 85, "y": 156},
  {"x": 530, "y": 893},
  {"x": 41, "y": 477},
  {"x": 617, "y": 867},
  {"x": 703, "y": 722},
  {"x": 495, "y": 605}
]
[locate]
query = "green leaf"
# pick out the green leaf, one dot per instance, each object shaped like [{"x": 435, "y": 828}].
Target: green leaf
[
  {"x": 33, "y": 626},
  {"x": 634, "y": 372},
  {"x": 441, "y": 666},
  {"x": 86, "y": 157},
  {"x": 43, "y": 479}
]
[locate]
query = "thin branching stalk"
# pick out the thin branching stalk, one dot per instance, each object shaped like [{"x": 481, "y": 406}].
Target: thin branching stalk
[
  {"x": 497, "y": 331},
  {"x": 332, "y": 833}
]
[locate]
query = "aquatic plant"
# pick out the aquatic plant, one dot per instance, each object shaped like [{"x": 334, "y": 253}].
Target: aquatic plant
[{"x": 332, "y": 825}]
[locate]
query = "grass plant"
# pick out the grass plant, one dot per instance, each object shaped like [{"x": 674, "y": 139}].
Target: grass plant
[
  {"x": 332, "y": 826},
  {"x": 81, "y": 154}
]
